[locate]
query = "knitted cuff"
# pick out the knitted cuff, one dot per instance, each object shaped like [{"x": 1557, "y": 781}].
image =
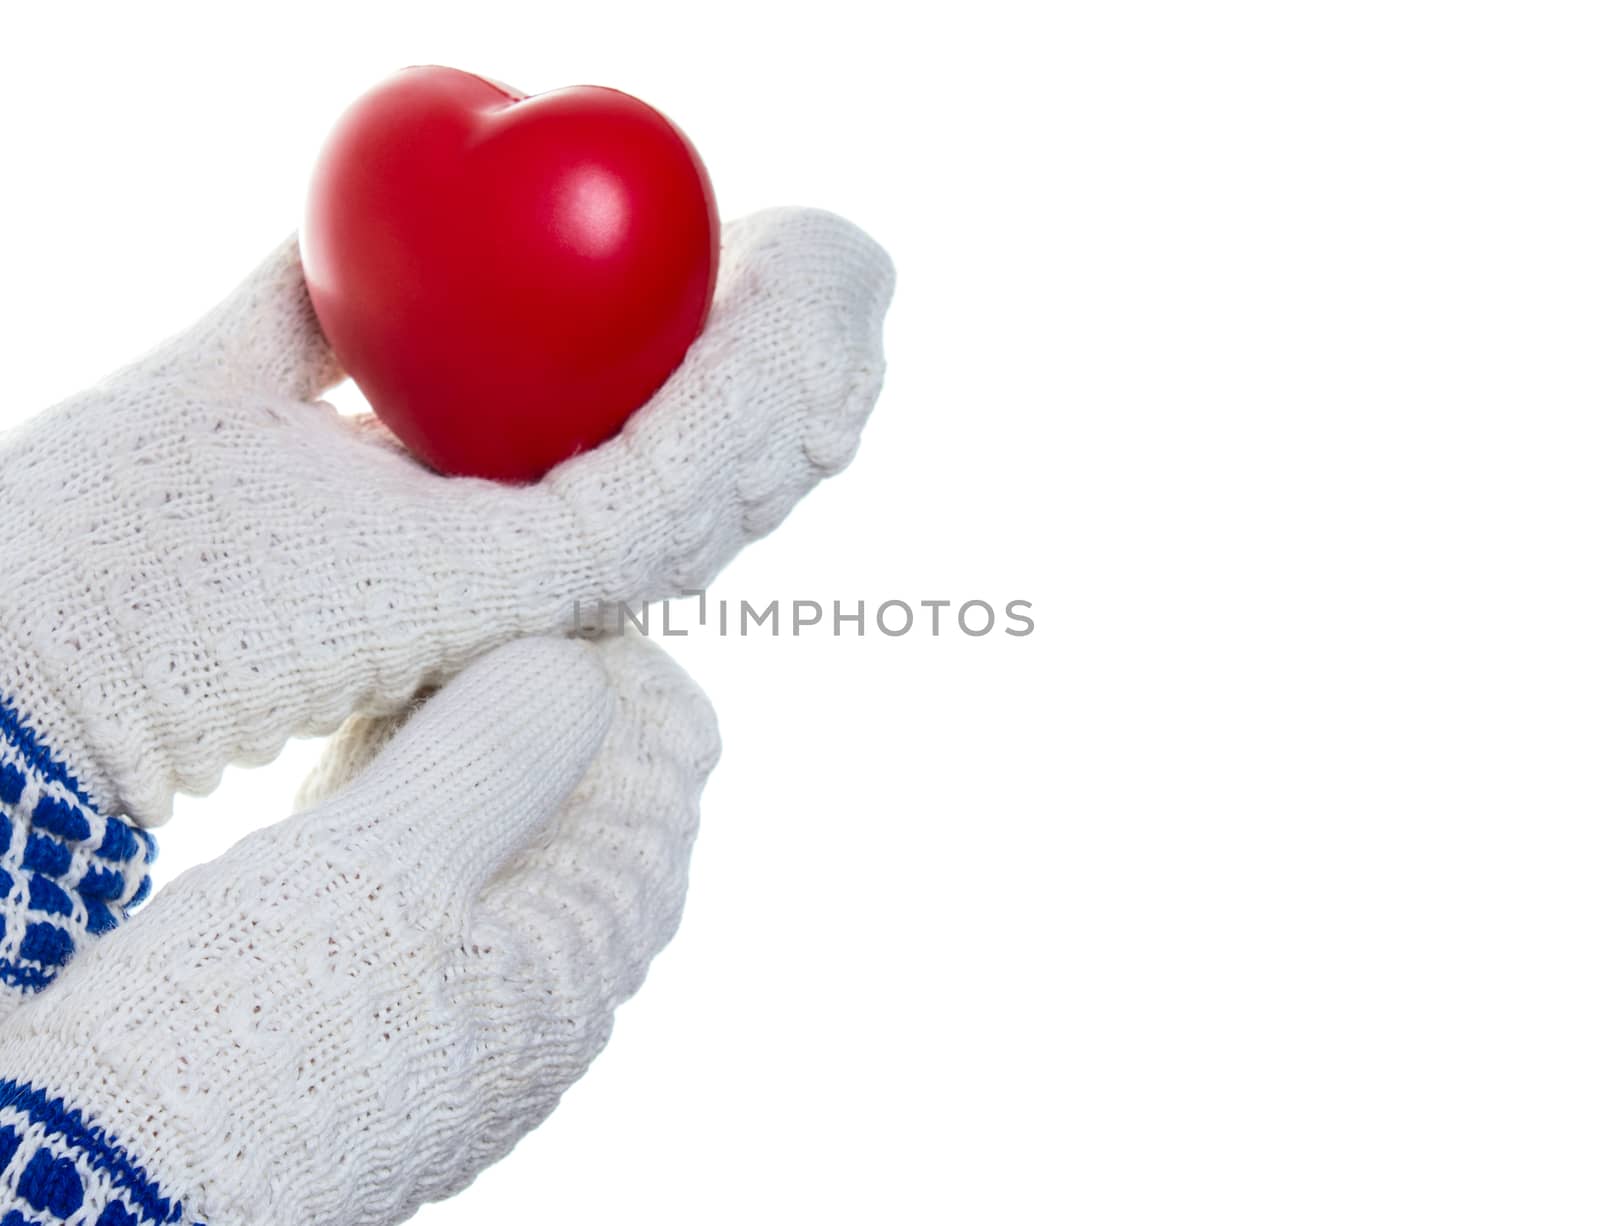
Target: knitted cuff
[
  {"x": 68, "y": 872},
  {"x": 56, "y": 1165}
]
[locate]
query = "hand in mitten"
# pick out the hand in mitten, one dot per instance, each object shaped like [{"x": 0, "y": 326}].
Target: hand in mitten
[
  {"x": 354, "y": 1011},
  {"x": 201, "y": 561}
]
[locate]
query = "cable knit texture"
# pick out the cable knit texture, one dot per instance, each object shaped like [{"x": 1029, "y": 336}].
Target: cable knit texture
[
  {"x": 352, "y": 1012},
  {"x": 203, "y": 562}
]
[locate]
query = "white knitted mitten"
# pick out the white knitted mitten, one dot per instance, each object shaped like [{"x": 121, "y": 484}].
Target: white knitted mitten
[
  {"x": 356, "y": 1010},
  {"x": 200, "y": 561}
]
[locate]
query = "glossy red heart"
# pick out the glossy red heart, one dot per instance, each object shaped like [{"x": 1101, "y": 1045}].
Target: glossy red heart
[{"x": 507, "y": 278}]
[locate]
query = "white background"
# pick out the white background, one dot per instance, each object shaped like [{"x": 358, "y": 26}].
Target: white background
[{"x": 1256, "y": 346}]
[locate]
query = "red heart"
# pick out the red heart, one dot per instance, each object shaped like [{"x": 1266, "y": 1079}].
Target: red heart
[{"x": 507, "y": 278}]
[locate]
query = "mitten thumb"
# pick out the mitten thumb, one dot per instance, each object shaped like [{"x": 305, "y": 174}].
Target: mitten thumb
[
  {"x": 470, "y": 774},
  {"x": 263, "y": 337}
]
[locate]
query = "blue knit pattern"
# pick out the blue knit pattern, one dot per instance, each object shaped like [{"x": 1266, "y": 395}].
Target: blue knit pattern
[
  {"x": 58, "y": 1167},
  {"x": 68, "y": 873}
]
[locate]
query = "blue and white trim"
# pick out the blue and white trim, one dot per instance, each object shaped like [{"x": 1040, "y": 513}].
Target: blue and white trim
[
  {"x": 67, "y": 872},
  {"x": 58, "y": 1168}
]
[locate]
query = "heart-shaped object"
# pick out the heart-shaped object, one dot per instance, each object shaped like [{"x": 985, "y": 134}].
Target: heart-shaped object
[{"x": 506, "y": 277}]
